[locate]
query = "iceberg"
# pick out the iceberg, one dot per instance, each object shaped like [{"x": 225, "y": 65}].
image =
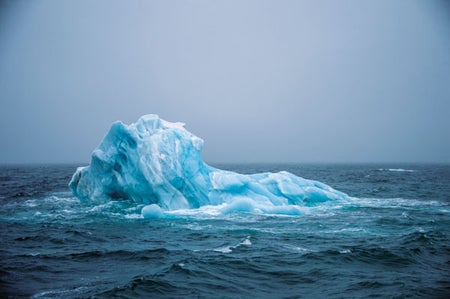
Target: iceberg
[{"x": 158, "y": 163}]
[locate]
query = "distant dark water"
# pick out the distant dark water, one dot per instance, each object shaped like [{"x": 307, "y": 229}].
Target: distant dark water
[{"x": 391, "y": 241}]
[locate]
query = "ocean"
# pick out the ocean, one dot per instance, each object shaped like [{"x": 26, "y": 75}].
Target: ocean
[{"x": 391, "y": 240}]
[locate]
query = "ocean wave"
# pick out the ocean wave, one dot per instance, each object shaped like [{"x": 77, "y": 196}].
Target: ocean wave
[
  {"x": 227, "y": 249},
  {"x": 397, "y": 170},
  {"x": 397, "y": 203},
  {"x": 64, "y": 207}
]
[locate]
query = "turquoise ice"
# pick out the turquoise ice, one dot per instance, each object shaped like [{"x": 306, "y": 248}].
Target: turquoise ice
[{"x": 156, "y": 162}]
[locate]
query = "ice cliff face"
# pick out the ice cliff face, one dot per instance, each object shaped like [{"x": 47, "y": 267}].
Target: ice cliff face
[{"x": 157, "y": 162}]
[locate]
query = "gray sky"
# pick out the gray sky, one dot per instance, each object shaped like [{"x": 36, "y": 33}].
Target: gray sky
[{"x": 259, "y": 81}]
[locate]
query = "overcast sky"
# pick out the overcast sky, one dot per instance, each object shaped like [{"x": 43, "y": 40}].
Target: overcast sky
[{"x": 259, "y": 81}]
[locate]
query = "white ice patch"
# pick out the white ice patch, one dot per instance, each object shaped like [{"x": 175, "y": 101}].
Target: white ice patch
[{"x": 152, "y": 211}]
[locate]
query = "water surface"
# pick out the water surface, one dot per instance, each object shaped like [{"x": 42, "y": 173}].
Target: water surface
[{"x": 390, "y": 241}]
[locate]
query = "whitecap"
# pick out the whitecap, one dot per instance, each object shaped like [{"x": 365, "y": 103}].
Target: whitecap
[
  {"x": 397, "y": 170},
  {"x": 246, "y": 242},
  {"x": 134, "y": 216},
  {"x": 228, "y": 249},
  {"x": 297, "y": 249}
]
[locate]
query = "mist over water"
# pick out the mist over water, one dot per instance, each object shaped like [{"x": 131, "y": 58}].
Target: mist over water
[
  {"x": 390, "y": 240},
  {"x": 260, "y": 81}
]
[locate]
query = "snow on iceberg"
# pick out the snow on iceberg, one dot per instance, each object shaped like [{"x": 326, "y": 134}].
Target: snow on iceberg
[{"x": 156, "y": 162}]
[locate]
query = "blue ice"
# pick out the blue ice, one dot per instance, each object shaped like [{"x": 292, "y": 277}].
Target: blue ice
[{"x": 158, "y": 163}]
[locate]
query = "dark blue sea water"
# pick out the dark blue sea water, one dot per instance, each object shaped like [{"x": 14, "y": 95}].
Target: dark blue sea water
[{"x": 392, "y": 240}]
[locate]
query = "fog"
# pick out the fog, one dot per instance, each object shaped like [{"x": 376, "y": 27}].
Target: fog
[{"x": 259, "y": 81}]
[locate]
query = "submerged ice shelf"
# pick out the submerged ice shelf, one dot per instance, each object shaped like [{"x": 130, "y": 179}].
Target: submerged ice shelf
[{"x": 158, "y": 163}]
